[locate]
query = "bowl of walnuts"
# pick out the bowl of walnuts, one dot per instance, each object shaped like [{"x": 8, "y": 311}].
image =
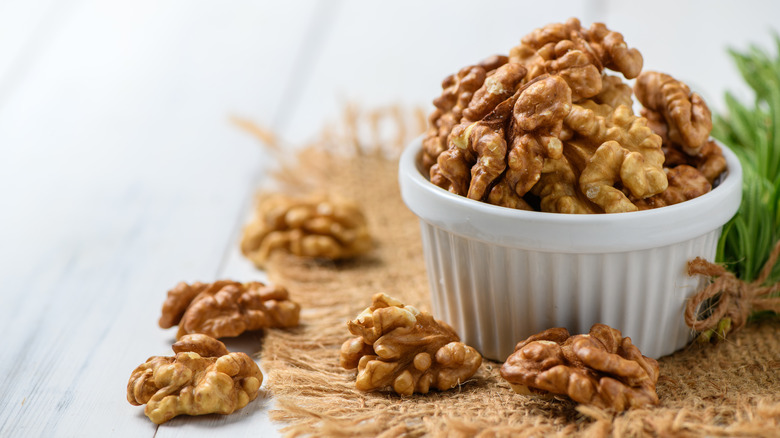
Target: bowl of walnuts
[{"x": 551, "y": 193}]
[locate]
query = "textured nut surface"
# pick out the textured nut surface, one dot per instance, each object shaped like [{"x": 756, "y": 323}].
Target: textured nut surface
[
  {"x": 601, "y": 368},
  {"x": 457, "y": 92},
  {"x": 202, "y": 378},
  {"x": 685, "y": 183},
  {"x": 398, "y": 346},
  {"x": 687, "y": 116},
  {"x": 227, "y": 308},
  {"x": 478, "y": 156},
  {"x": 572, "y": 143},
  {"x": 621, "y": 151},
  {"x": 317, "y": 226}
]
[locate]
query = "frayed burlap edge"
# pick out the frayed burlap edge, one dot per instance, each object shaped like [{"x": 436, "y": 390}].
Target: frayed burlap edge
[{"x": 730, "y": 389}]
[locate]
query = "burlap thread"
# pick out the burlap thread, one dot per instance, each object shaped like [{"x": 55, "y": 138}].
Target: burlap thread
[{"x": 729, "y": 389}]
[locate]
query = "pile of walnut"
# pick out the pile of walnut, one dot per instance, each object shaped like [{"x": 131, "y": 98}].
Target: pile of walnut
[
  {"x": 546, "y": 128},
  {"x": 203, "y": 378},
  {"x": 227, "y": 308},
  {"x": 400, "y": 347},
  {"x": 602, "y": 368},
  {"x": 317, "y": 226}
]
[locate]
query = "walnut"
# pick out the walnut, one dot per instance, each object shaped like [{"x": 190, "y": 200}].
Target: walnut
[
  {"x": 572, "y": 143},
  {"x": 557, "y": 189},
  {"x": 503, "y": 195},
  {"x": 613, "y": 52},
  {"x": 576, "y": 54},
  {"x": 316, "y": 226},
  {"x": 202, "y": 378},
  {"x": 685, "y": 183},
  {"x": 477, "y": 155},
  {"x": 227, "y": 308},
  {"x": 559, "y": 48},
  {"x": 400, "y": 347},
  {"x": 601, "y": 368},
  {"x": 687, "y": 116},
  {"x": 709, "y": 160},
  {"x": 458, "y": 91},
  {"x": 624, "y": 150},
  {"x": 614, "y": 92},
  {"x": 538, "y": 118}
]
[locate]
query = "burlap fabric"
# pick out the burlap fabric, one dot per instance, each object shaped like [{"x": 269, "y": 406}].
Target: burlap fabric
[{"x": 729, "y": 389}]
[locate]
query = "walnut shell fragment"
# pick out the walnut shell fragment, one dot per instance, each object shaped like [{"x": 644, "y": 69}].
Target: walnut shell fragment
[
  {"x": 400, "y": 347},
  {"x": 601, "y": 368},
  {"x": 317, "y": 226},
  {"x": 227, "y": 308},
  {"x": 202, "y": 378}
]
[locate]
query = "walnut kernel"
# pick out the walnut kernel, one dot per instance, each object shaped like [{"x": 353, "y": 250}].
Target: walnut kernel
[
  {"x": 202, "y": 378},
  {"x": 400, "y": 347},
  {"x": 227, "y": 308},
  {"x": 317, "y": 226},
  {"x": 601, "y": 368}
]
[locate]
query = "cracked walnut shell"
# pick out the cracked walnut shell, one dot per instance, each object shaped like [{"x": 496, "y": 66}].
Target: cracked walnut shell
[
  {"x": 601, "y": 368},
  {"x": 317, "y": 226},
  {"x": 400, "y": 347},
  {"x": 227, "y": 308},
  {"x": 202, "y": 378}
]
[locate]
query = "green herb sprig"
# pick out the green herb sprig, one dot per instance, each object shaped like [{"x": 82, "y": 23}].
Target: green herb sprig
[{"x": 753, "y": 133}]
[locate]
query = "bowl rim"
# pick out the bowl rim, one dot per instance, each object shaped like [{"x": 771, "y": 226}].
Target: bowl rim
[{"x": 560, "y": 232}]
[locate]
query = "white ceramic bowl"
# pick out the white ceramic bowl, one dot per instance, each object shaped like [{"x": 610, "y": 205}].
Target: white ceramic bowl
[{"x": 499, "y": 275}]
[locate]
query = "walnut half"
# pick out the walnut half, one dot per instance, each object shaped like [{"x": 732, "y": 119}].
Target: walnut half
[
  {"x": 400, "y": 347},
  {"x": 227, "y": 308},
  {"x": 326, "y": 227},
  {"x": 601, "y": 368},
  {"x": 203, "y": 378}
]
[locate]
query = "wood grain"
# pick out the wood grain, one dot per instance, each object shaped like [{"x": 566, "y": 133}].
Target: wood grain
[{"x": 120, "y": 173}]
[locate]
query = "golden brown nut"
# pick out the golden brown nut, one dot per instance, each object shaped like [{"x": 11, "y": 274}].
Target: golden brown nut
[
  {"x": 685, "y": 183},
  {"x": 400, "y": 347},
  {"x": 709, "y": 160},
  {"x": 503, "y": 195},
  {"x": 626, "y": 152},
  {"x": 578, "y": 55},
  {"x": 499, "y": 86},
  {"x": 558, "y": 189},
  {"x": 687, "y": 116},
  {"x": 657, "y": 123},
  {"x": 458, "y": 91},
  {"x": 613, "y": 52},
  {"x": 316, "y": 226},
  {"x": 614, "y": 92},
  {"x": 192, "y": 383},
  {"x": 560, "y": 48},
  {"x": 227, "y": 308},
  {"x": 602, "y": 368},
  {"x": 538, "y": 118},
  {"x": 573, "y": 143},
  {"x": 476, "y": 155}
]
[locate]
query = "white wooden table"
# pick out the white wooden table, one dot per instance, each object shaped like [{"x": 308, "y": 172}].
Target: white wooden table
[{"x": 120, "y": 173}]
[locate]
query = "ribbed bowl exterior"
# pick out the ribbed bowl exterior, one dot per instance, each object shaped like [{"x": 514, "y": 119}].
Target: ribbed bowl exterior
[
  {"x": 499, "y": 275},
  {"x": 495, "y": 296}
]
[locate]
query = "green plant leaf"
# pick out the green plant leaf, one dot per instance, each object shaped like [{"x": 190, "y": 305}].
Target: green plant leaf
[{"x": 753, "y": 133}]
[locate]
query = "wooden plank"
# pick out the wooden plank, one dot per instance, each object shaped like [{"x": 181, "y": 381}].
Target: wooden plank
[
  {"x": 121, "y": 175},
  {"x": 26, "y": 27}
]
